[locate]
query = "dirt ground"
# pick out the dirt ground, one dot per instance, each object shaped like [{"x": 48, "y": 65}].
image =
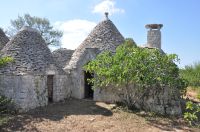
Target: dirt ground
[{"x": 88, "y": 116}]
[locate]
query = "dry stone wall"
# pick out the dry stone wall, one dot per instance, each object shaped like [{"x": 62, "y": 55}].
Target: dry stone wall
[{"x": 164, "y": 101}]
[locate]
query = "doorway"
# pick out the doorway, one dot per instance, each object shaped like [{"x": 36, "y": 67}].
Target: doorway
[
  {"x": 50, "y": 88},
  {"x": 89, "y": 92}
]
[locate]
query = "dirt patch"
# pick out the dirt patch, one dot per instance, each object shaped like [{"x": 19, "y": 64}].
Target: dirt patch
[
  {"x": 88, "y": 116},
  {"x": 192, "y": 94}
]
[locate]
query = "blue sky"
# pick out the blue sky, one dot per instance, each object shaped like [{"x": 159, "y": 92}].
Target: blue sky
[{"x": 76, "y": 18}]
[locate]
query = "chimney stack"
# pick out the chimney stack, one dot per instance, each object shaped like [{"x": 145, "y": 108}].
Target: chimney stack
[{"x": 154, "y": 35}]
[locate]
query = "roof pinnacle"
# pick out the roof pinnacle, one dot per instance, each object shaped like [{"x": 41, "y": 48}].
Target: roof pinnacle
[{"x": 106, "y": 15}]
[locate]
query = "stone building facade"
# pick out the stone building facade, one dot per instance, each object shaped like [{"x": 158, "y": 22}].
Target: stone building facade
[
  {"x": 33, "y": 79},
  {"x": 38, "y": 77}
]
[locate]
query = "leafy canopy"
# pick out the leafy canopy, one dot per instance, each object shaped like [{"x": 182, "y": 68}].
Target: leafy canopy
[
  {"x": 50, "y": 35},
  {"x": 131, "y": 64}
]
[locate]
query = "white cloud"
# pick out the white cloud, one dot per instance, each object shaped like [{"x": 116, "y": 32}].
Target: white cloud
[
  {"x": 74, "y": 32},
  {"x": 107, "y": 6}
]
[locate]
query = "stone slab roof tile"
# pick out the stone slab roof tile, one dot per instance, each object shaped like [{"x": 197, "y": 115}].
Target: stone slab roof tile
[
  {"x": 105, "y": 36},
  {"x": 30, "y": 53}
]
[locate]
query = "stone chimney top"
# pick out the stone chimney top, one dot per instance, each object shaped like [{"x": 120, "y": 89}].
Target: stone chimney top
[
  {"x": 154, "y": 26},
  {"x": 154, "y": 35},
  {"x": 106, "y": 15}
]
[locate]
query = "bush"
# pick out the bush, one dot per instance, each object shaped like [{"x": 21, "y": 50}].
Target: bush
[
  {"x": 192, "y": 74},
  {"x": 192, "y": 113},
  {"x": 6, "y": 105},
  {"x": 131, "y": 64}
]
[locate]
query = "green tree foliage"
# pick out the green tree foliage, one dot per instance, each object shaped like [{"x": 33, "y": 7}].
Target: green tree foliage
[
  {"x": 50, "y": 35},
  {"x": 134, "y": 65},
  {"x": 192, "y": 115},
  {"x": 192, "y": 74}
]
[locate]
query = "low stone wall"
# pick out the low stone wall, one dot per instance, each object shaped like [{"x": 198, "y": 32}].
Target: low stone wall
[{"x": 164, "y": 101}]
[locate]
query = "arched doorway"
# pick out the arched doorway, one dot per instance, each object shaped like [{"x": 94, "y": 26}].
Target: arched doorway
[{"x": 89, "y": 92}]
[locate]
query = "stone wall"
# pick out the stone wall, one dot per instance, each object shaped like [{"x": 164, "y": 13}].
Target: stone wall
[
  {"x": 61, "y": 87},
  {"x": 165, "y": 101},
  {"x": 29, "y": 92},
  {"x": 107, "y": 95}
]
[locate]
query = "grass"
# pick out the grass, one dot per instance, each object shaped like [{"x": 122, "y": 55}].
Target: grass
[{"x": 4, "y": 119}]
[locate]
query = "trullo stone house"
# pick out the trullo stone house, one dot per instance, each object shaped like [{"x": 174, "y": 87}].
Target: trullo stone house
[
  {"x": 37, "y": 76},
  {"x": 33, "y": 79}
]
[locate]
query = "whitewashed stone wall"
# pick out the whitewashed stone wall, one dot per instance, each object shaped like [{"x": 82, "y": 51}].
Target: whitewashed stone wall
[{"x": 29, "y": 92}]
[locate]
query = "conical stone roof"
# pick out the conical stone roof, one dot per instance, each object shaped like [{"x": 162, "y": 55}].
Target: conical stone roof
[
  {"x": 30, "y": 53},
  {"x": 105, "y": 36},
  {"x": 62, "y": 56},
  {"x": 3, "y": 39}
]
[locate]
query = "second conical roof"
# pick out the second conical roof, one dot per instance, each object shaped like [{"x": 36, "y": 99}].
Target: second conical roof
[{"x": 105, "y": 36}]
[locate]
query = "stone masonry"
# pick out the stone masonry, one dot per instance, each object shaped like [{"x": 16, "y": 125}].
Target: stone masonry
[
  {"x": 3, "y": 39},
  {"x": 154, "y": 35},
  {"x": 26, "y": 79},
  {"x": 62, "y": 56}
]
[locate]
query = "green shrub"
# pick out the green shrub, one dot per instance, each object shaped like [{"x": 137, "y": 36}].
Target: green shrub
[
  {"x": 192, "y": 113},
  {"x": 192, "y": 74},
  {"x": 131, "y": 64},
  {"x": 6, "y": 105}
]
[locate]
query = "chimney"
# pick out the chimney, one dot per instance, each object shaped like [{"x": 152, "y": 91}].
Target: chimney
[{"x": 154, "y": 35}]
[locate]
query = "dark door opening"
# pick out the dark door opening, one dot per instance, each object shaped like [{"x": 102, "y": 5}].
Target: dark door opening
[
  {"x": 88, "y": 86},
  {"x": 50, "y": 88}
]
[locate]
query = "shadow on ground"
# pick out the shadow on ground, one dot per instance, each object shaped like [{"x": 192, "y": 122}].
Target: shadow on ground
[
  {"x": 55, "y": 112},
  {"x": 166, "y": 123}
]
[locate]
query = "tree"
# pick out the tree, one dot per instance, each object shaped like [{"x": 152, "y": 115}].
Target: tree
[
  {"x": 50, "y": 35},
  {"x": 134, "y": 65}
]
